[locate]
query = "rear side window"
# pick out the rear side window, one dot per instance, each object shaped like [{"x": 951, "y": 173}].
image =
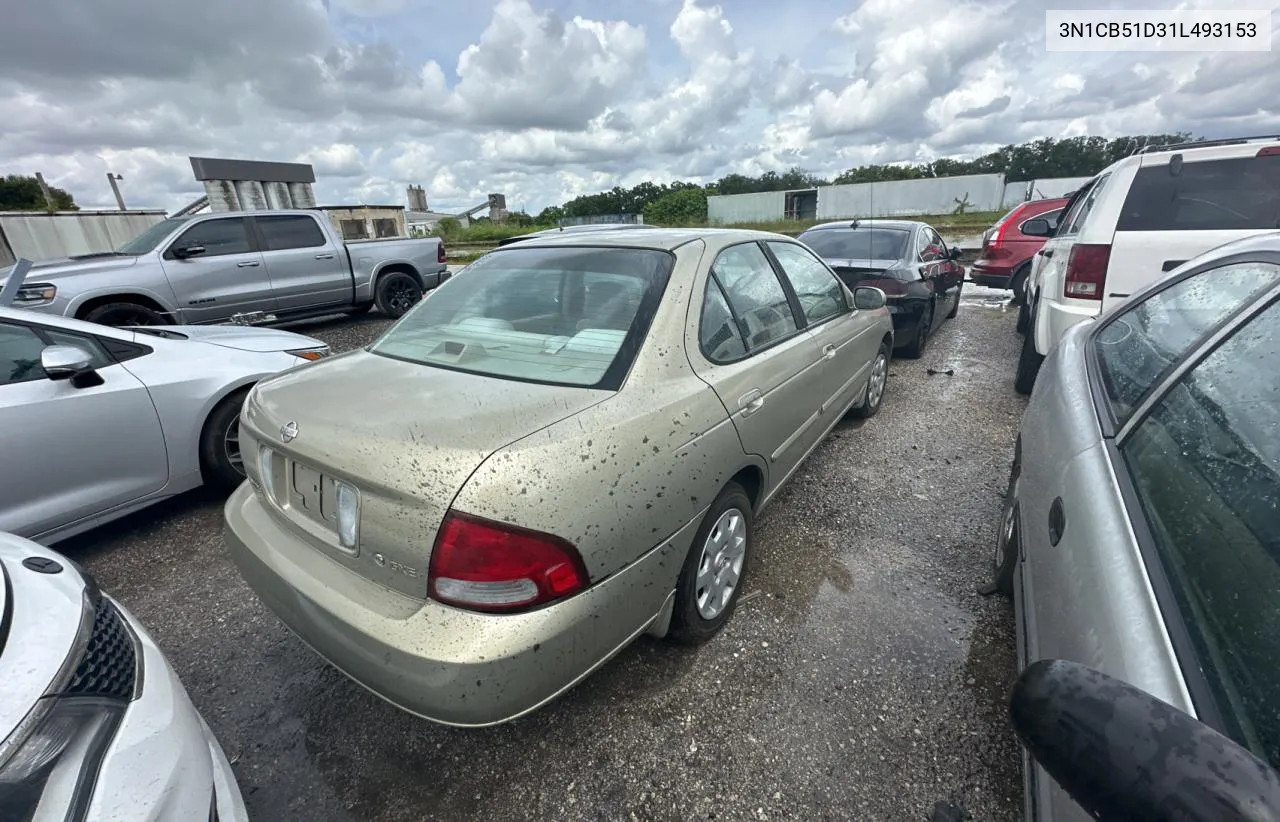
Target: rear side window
[
  {"x": 1137, "y": 346},
  {"x": 755, "y": 294},
  {"x": 1206, "y": 468},
  {"x": 292, "y": 231},
  {"x": 1079, "y": 212},
  {"x": 562, "y": 316},
  {"x": 719, "y": 335},
  {"x": 1237, "y": 193}
]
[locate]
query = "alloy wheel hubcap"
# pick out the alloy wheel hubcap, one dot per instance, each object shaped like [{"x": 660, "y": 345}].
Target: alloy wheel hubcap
[
  {"x": 721, "y": 563},
  {"x": 231, "y": 445},
  {"x": 404, "y": 297},
  {"x": 879, "y": 373}
]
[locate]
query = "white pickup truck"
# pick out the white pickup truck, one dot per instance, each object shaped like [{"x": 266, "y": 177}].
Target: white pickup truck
[{"x": 254, "y": 267}]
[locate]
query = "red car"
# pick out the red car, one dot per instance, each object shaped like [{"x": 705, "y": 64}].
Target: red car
[{"x": 1007, "y": 252}]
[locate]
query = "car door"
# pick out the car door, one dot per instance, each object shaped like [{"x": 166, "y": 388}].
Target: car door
[
  {"x": 846, "y": 337},
  {"x": 950, "y": 272},
  {"x": 306, "y": 269},
  {"x": 767, "y": 371},
  {"x": 226, "y": 279},
  {"x": 71, "y": 452}
]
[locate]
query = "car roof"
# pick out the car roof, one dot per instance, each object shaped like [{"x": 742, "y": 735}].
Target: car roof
[
  {"x": 904, "y": 225},
  {"x": 663, "y": 238}
]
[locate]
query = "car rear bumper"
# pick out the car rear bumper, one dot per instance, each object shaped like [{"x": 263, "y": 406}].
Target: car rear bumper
[
  {"x": 442, "y": 663},
  {"x": 1059, "y": 318},
  {"x": 998, "y": 276},
  {"x": 164, "y": 762}
]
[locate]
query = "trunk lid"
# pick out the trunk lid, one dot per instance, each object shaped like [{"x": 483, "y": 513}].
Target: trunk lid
[
  {"x": 407, "y": 436},
  {"x": 239, "y": 337},
  {"x": 39, "y": 618}
]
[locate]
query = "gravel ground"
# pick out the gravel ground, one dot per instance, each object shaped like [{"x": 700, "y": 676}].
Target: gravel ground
[{"x": 862, "y": 677}]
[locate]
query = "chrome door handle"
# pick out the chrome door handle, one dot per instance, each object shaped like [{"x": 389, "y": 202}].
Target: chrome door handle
[
  {"x": 247, "y": 264},
  {"x": 828, "y": 351},
  {"x": 751, "y": 402},
  {"x": 324, "y": 256}
]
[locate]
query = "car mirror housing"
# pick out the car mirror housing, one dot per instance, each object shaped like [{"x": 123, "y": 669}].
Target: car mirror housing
[
  {"x": 868, "y": 297},
  {"x": 62, "y": 362},
  {"x": 1121, "y": 753},
  {"x": 1037, "y": 227}
]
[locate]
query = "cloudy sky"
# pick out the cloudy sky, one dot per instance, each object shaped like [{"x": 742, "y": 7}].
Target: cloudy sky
[{"x": 546, "y": 99}]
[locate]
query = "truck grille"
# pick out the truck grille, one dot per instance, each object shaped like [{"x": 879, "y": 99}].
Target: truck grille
[{"x": 109, "y": 666}]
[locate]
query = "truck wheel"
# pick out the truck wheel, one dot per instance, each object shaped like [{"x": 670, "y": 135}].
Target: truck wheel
[
  {"x": 396, "y": 293},
  {"x": 122, "y": 314}
]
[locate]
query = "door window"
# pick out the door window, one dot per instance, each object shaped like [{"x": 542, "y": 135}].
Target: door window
[
  {"x": 820, "y": 293},
  {"x": 755, "y": 294},
  {"x": 1206, "y": 467},
  {"x": 20, "y": 349},
  {"x": 934, "y": 248},
  {"x": 1140, "y": 344},
  {"x": 292, "y": 231},
  {"x": 228, "y": 235},
  {"x": 1050, "y": 217},
  {"x": 719, "y": 335}
]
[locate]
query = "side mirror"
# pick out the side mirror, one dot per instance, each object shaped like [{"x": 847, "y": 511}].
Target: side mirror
[
  {"x": 1037, "y": 227},
  {"x": 1123, "y": 754},
  {"x": 954, "y": 253},
  {"x": 184, "y": 251},
  {"x": 62, "y": 362},
  {"x": 865, "y": 296}
]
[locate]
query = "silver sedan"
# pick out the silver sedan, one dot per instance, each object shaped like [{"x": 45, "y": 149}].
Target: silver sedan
[
  {"x": 1140, "y": 536},
  {"x": 98, "y": 422},
  {"x": 563, "y": 447}
]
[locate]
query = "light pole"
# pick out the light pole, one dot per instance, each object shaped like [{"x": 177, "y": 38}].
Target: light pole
[{"x": 115, "y": 189}]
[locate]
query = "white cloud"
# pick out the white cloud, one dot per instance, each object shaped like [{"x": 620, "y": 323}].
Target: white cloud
[{"x": 547, "y": 99}]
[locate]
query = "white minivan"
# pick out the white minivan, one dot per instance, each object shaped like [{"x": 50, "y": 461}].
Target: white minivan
[{"x": 1137, "y": 221}]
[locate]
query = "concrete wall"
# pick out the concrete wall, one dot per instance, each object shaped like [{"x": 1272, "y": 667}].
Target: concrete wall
[
  {"x": 905, "y": 198},
  {"x": 366, "y": 215},
  {"x": 43, "y": 236},
  {"x": 746, "y": 208}
]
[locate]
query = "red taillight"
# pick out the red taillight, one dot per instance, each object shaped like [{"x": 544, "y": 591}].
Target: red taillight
[
  {"x": 1086, "y": 271},
  {"x": 440, "y": 252},
  {"x": 491, "y": 566},
  {"x": 1269, "y": 151}
]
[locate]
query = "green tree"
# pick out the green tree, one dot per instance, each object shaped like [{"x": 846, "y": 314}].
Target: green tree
[
  {"x": 551, "y": 215},
  {"x": 449, "y": 228},
  {"x": 18, "y": 192},
  {"x": 686, "y": 206},
  {"x": 519, "y": 218}
]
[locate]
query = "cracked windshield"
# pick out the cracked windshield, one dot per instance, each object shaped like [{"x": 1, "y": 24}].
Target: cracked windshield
[{"x": 654, "y": 410}]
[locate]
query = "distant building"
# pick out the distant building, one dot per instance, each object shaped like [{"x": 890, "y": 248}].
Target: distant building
[{"x": 367, "y": 222}]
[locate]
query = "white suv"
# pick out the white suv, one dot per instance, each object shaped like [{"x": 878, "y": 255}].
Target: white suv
[{"x": 1137, "y": 221}]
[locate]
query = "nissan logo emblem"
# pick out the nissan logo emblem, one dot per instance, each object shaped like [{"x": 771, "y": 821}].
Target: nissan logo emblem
[{"x": 288, "y": 431}]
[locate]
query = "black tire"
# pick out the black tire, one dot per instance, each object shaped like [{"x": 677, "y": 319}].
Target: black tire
[
  {"x": 872, "y": 401},
  {"x": 1019, "y": 284},
  {"x": 220, "y": 459},
  {"x": 1004, "y": 562},
  {"x": 915, "y": 349},
  {"x": 397, "y": 292},
  {"x": 955, "y": 309},
  {"x": 690, "y": 625},
  {"x": 1024, "y": 318},
  {"x": 123, "y": 314},
  {"x": 1029, "y": 362}
]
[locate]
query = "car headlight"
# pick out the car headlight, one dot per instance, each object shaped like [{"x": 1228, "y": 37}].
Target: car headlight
[
  {"x": 36, "y": 294},
  {"x": 49, "y": 764},
  {"x": 348, "y": 514},
  {"x": 311, "y": 354}
]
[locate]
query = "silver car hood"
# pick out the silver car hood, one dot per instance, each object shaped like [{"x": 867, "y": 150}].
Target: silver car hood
[
  {"x": 41, "y": 616},
  {"x": 45, "y": 270},
  {"x": 243, "y": 338}
]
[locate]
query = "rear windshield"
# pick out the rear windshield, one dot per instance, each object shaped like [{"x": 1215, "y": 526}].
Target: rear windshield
[
  {"x": 1238, "y": 193},
  {"x": 560, "y": 316},
  {"x": 858, "y": 243}
]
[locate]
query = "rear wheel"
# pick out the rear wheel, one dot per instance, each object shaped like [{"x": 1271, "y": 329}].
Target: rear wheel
[
  {"x": 955, "y": 309},
  {"x": 711, "y": 579},
  {"x": 396, "y": 293},
  {"x": 123, "y": 314},
  {"x": 1019, "y": 284},
  {"x": 876, "y": 383},
  {"x": 221, "y": 461},
  {"x": 1029, "y": 362},
  {"x": 1005, "y": 561},
  {"x": 915, "y": 348}
]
